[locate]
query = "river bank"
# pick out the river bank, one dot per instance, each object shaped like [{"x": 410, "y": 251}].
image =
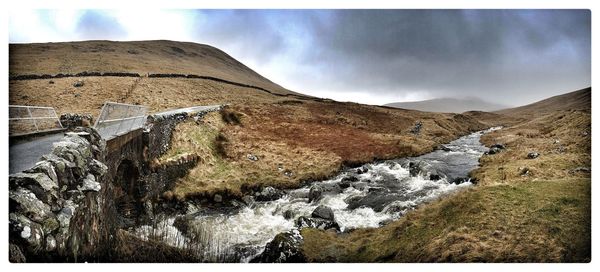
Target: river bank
[{"x": 368, "y": 196}]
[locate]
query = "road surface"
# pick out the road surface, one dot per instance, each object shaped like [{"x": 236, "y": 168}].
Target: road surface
[{"x": 25, "y": 155}]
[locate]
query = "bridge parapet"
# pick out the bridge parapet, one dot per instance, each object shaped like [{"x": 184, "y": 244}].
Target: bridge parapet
[
  {"x": 117, "y": 119},
  {"x": 54, "y": 207}
]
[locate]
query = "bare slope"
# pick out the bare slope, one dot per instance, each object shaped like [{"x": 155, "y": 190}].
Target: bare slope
[
  {"x": 448, "y": 105},
  {"x": 136, "y": 57},
  {"x": 577, "y": 100}
]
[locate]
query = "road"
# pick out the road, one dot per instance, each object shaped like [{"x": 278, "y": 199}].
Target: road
[{"x": 25, "y": 155}]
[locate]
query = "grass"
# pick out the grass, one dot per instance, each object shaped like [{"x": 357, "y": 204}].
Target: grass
[
  {"x": 298, "y": 142},
  {"x": 540, "y": 221},
  {"x": 543, "y": 216}
]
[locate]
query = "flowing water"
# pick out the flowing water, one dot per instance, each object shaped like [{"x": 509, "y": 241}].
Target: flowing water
[{"x": 367, "y": 196}]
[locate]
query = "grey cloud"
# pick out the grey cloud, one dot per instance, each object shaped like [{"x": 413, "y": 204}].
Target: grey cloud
[
  {"x": 493, "y": 54},
  {"x": 255, "y": 34}
]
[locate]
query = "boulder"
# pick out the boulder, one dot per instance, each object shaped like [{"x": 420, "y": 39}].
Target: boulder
[
  {"x": 317, "y": 191},
  {"x": 532, "y": 155},
  {"x": 26, "y": 229},
  {"x": 217, "y": 198},
  {"x": 415, "y": 168},
  {"x": 90, "y": 184},
  {"x": 492, "y": 151},
  {"x": 353, "y": 199},
  {"x": 374, "y": 200},
  {"x": 29, "y": 204},
  {"x": 269, "y": 194},
  {"x": 435, "y": 175},
  {"x": 350, "y": 179},
  {"x": 444, "y": 148},
  {"x": 39, "y": 179},
  {"x": 317, "y": 223},
  {"x": 323, "y": 212},
  {"x": 362, "y": 170},
  {"x": 417, "y": 128},
  {"x": 289, "y": 214},
  {"x": 252, "y": 157},
  {"x": 463, "y": 180},
  {"x": 248, "y": 200},
  {"x": 345, "y": 184},
  {"x": 498, "y": 146},
  {"x": 78, "y": 83},
  {"x": 284, "y": 248},
  {"x": 425, "y": 169},
  {"x": 98, "y": 168}
]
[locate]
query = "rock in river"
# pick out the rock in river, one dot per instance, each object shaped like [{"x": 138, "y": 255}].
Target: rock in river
[
  {"x": 269, "y": 194},
  {"x": 323, "y": 212},
  {"x": 284, "y": 248},
  {"x": 317, "y": 223}
]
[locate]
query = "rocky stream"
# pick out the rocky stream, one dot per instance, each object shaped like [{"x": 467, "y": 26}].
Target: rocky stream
[{"x": 264, "y": 227}]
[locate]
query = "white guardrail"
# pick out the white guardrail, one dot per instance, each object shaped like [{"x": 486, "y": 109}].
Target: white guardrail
[
  {"x": 32, "y": 119},
  {"x": 116, "y": 119}
]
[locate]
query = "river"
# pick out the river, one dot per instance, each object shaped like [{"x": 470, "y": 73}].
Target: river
[{"x": 363, "y": 197}]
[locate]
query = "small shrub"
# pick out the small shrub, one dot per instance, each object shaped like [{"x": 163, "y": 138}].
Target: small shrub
[
  {"x": 230, "y": 117},
  {"x": 221, "y": 145}
]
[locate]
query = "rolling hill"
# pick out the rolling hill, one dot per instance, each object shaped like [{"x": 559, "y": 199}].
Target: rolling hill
[
  {"x": 141, "y": 57},
  {"x": 577, "y": 100},
  {"x": 448, "y": 105},
  {"x": 311, "y": 137}
]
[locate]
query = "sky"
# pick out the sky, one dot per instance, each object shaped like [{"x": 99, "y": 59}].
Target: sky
[{"x": 509, "y": 57}]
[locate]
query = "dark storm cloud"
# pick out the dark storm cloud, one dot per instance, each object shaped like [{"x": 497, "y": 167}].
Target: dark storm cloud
[
  {"x": 506, "y": 56},
  {"x": 98, "y": 25},
  {"x": 503, "y": 55}
]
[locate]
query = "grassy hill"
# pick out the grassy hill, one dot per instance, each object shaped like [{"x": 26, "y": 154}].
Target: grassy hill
[
  {"x": 577, "y": 100},
  {"x": 310, "y": 138},
  {"x": 455, "y": 105},
  {"x": 136, "y": 57},
  {"x": 522, "y": 210}
]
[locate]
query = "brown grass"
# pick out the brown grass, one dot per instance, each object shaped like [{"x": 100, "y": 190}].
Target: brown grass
[
  {"x": 543, "y": 216},
  {"x": 135, "y": 57},
  {"x": 537, "y": 221}
]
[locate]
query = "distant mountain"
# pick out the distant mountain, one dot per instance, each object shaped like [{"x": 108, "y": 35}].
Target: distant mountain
[
  {"x": 455, "y": 105},
  {"x": 577, "y": 100}
]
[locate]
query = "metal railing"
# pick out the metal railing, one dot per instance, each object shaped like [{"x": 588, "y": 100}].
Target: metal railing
[
  {"x": 116, "y": 119},
  {"x": 32, "y": 119}
]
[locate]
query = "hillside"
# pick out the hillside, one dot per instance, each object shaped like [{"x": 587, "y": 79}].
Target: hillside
[
  {"x": 448, "y": 105},
  {"x": 522, "y": 209},
  {"x": 136, "y": 57},
  {"x": 577, "y": 100},
  {"x": 312, "y": 138}
]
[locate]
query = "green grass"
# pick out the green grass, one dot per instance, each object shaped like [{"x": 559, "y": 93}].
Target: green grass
[{"x": 537, "y": 221}]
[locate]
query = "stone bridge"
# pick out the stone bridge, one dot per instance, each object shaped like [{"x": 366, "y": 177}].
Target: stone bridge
[{"x": 71, "y": 203}]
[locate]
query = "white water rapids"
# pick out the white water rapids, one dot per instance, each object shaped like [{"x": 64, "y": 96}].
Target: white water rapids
[{"x": 383, "y": 193}]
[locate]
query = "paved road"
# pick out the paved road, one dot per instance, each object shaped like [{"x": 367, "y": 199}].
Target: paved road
[{"x": 24, "y": 155}]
